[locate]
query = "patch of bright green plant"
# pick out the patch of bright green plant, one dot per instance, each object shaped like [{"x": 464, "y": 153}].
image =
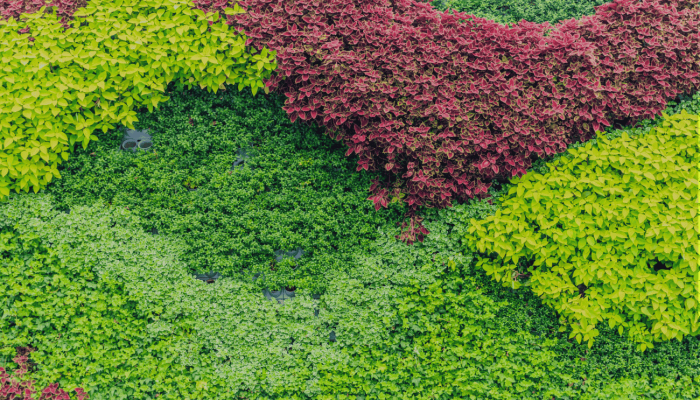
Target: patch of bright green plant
[
  {"x": 59, "y": 89},
  {"x": 609, "y": 236}
]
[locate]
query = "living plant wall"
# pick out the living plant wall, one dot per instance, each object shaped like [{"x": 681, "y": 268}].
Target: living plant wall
[
  {"x": 440, "y": 127},
  {"x": 102, "y": 292}
]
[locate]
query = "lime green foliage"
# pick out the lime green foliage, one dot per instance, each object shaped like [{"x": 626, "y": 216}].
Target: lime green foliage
[
  {"x": 297, "y": 188},
  {"x": 61, "y": 88},
  {"x": 615, "y": 219},
  {"x": 513, "y": 11}
]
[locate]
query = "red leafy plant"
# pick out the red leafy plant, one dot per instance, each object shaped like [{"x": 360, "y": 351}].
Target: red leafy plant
[
  {"x": 20, "y": 389},
  {"x": 444, "y": 104},
  {"x": 64, "y": 9}
]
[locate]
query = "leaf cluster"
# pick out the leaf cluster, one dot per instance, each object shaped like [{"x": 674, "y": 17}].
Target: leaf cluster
[
  {"x": 224, "y": 340},
  {"x": 608, "y": 235},
  {"x": 513, "y": 11},
  {"x": 113, "y": 309},
  {"x": 296, "y": 188},
  {"x": 63, "y": 8},
  {"x": 60, "y": 86}
]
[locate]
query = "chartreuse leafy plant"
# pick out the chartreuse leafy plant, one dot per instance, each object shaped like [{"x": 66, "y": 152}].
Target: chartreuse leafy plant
[
  {"x": 610, "y": 235},
  {"x": 59, "y": 87}
]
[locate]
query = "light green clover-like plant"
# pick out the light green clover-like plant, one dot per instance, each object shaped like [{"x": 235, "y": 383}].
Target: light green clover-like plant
[{"x": 61, "y": 88}]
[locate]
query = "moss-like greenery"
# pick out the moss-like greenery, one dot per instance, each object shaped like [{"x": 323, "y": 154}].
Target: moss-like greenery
[
  {"x": 513, "y": 11},
  {"x": 296, "y": 189}
]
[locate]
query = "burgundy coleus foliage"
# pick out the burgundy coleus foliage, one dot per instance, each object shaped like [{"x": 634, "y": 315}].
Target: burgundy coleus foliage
[
  {"x": 64, "y": 9},
  {"x": 446, "y": 103},
  {"x": 11, "y": 388}
]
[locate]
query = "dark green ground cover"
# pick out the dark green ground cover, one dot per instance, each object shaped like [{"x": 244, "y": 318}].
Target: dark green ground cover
[
  {"x": 512, "y": 11},
  {"x": 297, "y": 189},
  {"x": 115, "y": 309}
]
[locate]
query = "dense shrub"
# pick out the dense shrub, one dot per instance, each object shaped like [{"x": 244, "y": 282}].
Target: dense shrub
[
  {"x": 60, "y": 86},
  {"x": 89, "y": 329},
  {"x": 512, "y": 11},
  {"x": 443, "y": 104},
  {"x": 610, "y": 235},
  {"x": 186, "y": 339},
  {"x": 296, "y": 189}
]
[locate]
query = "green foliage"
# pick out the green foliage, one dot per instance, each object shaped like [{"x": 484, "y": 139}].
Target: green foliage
[
  {"x": 429, "y": 315},
  {"x": 225, "y": 341},
  {"x": 457, "y": 338},
  {"x": 134, "y": 323},
  {"x": 453, "y": 348},
  {"x": 87, "y": 326},
  {"x": 296, "y": 189},
  {"x": 614, "y": 220},
  {"x": 58, "y": 90},
  {"x": 513, "y": 11},
  {"x": 182, "y": 338}
]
